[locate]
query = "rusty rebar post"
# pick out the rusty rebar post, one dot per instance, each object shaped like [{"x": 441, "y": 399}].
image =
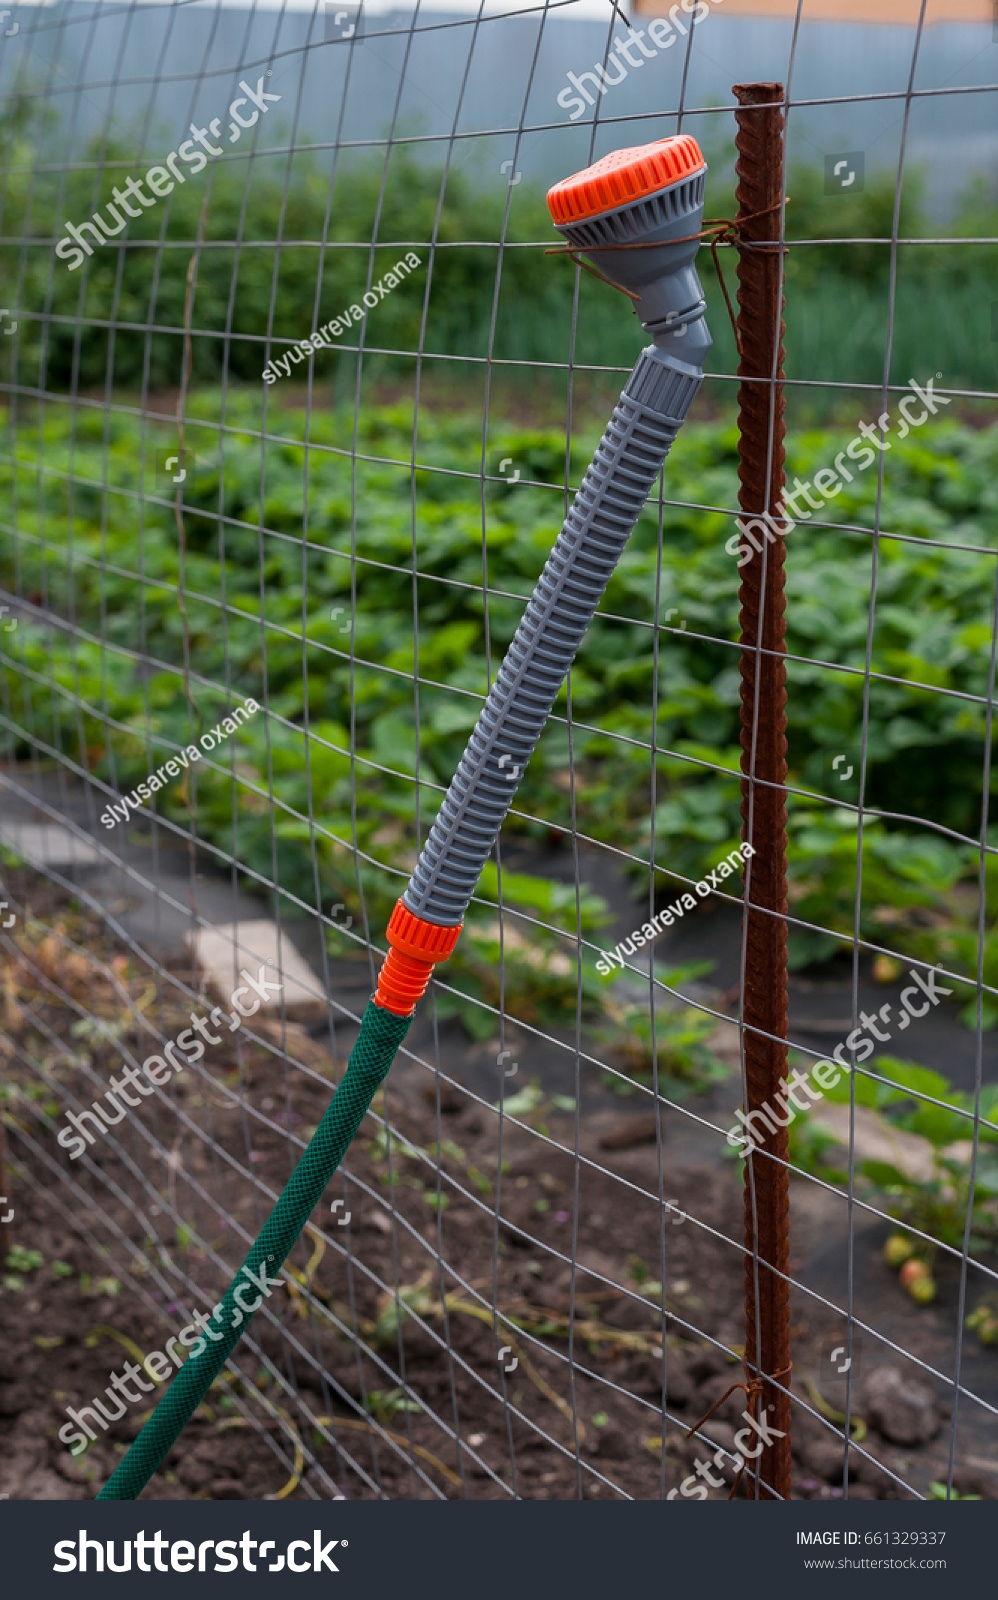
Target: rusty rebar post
[{"x": 759, "y": 169}]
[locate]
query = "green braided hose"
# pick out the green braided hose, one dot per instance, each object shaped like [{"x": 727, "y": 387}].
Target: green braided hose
[{"x": 380, "y": 1035}]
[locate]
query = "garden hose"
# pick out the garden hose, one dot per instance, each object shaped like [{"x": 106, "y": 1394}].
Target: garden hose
[{"x": 636, "y": 215}]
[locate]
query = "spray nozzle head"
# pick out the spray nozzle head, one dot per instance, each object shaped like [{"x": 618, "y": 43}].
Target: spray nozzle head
[{"x": 636, "y": 215}]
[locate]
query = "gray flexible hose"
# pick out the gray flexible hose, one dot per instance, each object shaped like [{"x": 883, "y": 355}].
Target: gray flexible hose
[{"x": 639, "y": 435}]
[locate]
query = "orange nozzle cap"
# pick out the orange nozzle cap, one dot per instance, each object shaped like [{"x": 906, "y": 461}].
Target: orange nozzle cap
[
  {"x": 623, "y": 176},
  {"x": 416, "y": 947}
]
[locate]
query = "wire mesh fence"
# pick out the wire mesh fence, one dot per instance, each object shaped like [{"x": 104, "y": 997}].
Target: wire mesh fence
[{"x": 253, "y": 613}]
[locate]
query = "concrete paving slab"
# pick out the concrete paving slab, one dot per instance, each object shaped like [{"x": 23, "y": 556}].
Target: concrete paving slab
[
  {"x": 46, "y": 844},
  {"x": 222, "y": 952},
  {"x": 876, "y": 1140}
]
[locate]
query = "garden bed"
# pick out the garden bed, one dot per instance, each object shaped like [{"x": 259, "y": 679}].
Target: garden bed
[{"x": 336, "y": 1347}]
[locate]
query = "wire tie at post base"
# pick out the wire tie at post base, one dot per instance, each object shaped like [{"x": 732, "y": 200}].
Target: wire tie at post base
[{"x": 754, "y": 1387}]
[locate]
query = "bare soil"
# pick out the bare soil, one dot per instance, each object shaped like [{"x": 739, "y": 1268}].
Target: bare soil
[{"x": 174, "y": 1207}]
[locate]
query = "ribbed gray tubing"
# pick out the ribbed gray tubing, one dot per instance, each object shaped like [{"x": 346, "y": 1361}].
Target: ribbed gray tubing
[{"x": 645, "y": 421}]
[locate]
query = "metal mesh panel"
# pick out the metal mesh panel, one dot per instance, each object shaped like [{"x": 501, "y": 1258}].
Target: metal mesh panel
[{"x": 527, "y": 1279}]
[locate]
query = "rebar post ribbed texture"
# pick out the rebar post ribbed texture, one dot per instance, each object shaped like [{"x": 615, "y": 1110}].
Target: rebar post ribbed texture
[{"x": 762, "y": 619}]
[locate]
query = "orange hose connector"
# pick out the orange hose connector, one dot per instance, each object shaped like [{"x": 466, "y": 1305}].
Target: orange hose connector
[{"x": 416, "y": 947}]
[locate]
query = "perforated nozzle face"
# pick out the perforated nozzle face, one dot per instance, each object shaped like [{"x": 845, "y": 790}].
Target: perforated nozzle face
[{"x": 623, "y": 176}]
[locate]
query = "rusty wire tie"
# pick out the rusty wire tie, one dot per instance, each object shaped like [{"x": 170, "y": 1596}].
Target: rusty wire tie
[
  {"x": 719, "y": 230},
  {"x": 753, "y": 1391}
]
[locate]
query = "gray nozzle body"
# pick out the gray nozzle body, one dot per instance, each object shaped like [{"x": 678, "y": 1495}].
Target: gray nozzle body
[
  {"x": 649, "y": 247},
  {"x": 637, "y": 440}
]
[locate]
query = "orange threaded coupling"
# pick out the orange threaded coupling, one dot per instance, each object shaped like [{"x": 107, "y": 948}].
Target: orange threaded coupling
[
  {"x": 416, "y": 947},
  {"x": 402, "y": 983}
]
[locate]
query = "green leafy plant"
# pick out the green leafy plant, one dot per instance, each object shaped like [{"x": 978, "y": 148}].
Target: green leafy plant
[
  {"x": 937, "y": 1205},
  {"x": 983, "y": 1321},
  {"x": 360, "y": 760},
  {"x": 530, "y": 1105},
  {"x": 686, "y": 1064},
  {"x": 540, "y": 964},
  {"x": 21, "y": 1260},
  {"x": 416, "y": 1297},
  {"x": 384, "y": 1404},
  {"x": 811, "y": 1143}
]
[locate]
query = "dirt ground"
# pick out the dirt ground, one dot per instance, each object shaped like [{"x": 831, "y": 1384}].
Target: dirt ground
[{"x": 127, "y": 1255}]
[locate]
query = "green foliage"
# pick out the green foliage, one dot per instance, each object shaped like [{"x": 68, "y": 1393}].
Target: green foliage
[
  {"x": 415, "y": 1298},
  {"x": 97, "y": 540},
  {"x": 983, "y": 1321},
  {"x": 249, "y": 287},
  {"x": 958, "y": 946},
  {"x": 810, "y": 1146},
  {"x": 530, "y": 1105},
  {"x": 839, "y": 292},
  {"x": 539, "y": 965},
  {"x": 901, "y": 874},
  {"x": 893, "y": 1090},
  {"x": 686, "y": 1064},
  {"x": 21, "y": 1260},
  {"x": 384, "y": 1404},
  {"x": 937, "y": 1205}
]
